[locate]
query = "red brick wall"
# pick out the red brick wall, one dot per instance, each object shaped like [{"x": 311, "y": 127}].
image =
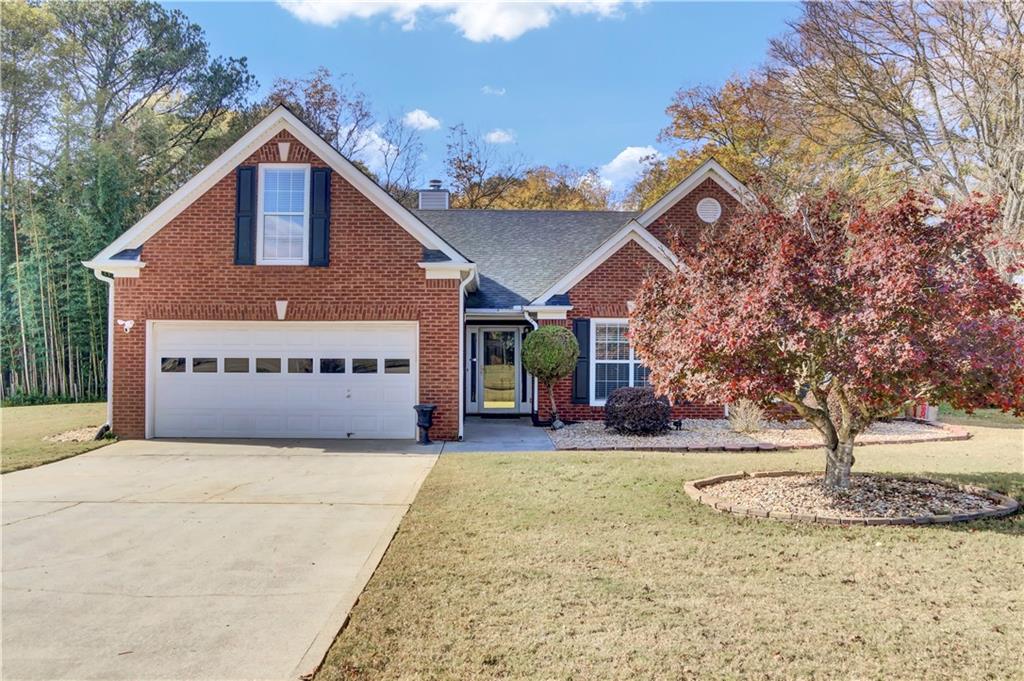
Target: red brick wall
[
  {"x": 604, "y": 293},
  {"x": 373, "y": 275},
  {"x": 681, "y": 219}
]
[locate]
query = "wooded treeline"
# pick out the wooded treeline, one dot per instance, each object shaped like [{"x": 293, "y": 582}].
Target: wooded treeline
[{"x": 108, "y": 107}]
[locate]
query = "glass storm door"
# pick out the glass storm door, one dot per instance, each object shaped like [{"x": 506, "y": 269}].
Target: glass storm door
[{"x": 498, "y": 374}]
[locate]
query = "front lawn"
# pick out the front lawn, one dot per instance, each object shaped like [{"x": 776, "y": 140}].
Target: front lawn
[
  {"x": 582, "y": 565},
  {"x": 23, "y": 429},
  {"x": 980, "y": 417}
]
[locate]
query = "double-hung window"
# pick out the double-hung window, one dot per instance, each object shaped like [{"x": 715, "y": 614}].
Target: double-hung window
[
  {"x": 283, "y": 225},
  {"x": 613, "y": 364}
]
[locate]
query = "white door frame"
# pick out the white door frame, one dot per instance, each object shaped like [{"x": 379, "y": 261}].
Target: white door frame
[{"x": 151, "y": 359}]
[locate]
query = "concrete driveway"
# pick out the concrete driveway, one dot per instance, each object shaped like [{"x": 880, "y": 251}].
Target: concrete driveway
[{"x": 194, "y": 560}]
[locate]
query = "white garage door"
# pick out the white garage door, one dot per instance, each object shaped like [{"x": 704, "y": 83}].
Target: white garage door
[{"x": 283, "y": 379}]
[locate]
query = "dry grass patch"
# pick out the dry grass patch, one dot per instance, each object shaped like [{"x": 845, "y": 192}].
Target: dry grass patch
[
  {"x": 32, "y": 436},
  {"x": 597, "y": 566}
]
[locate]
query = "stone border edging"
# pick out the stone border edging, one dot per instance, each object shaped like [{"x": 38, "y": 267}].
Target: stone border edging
[
  {"x": 695, "y": 490},
  {"x": 955, "y": 433}
]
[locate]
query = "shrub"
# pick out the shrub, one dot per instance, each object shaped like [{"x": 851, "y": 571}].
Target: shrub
[
  {"x": 636, "y": 411},
  {"x": 746, "y": 416},
  {"x": 550, "y": 354}
]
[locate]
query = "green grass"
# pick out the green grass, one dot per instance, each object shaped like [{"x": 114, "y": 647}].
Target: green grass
[
  {"x": 22, "y": 430},
  {"x": 577, "y": 565},
  {"x": 980, "y": 417}
]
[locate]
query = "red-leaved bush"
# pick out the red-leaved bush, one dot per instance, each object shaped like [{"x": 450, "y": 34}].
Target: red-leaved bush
[{"x": 874, "y": 309}]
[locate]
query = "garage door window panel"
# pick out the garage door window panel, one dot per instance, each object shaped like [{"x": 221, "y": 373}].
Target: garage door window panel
[
  {"x": 364, "y": 366},
  {"x": 236, "y": 365},
  {"x": 332, "y": 365},
  {"x": 396, "y": 366},
  {"x": 172, "y": 365},
  {"x": 300, "y": 365},
  {"x": 283, "y": 223},
  {"x": 204, "y": 365},
  {"x": 268, "y": 365}
]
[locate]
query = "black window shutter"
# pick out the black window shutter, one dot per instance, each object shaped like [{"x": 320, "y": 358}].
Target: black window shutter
[
  {"x": 245, "y": 215},
  {"x": 581, "y": 376},
  {"x": 320, "y": 217}
]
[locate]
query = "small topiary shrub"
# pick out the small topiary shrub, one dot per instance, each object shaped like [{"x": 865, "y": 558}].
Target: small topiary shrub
[
  {"x": 550, "y": 354},
  {"x": 745, "y": 416},
  {"x": 637, "y": 411}
]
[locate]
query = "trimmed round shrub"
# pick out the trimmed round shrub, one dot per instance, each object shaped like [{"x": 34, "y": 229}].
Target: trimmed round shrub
[
  {"x": 637, "y": 411},
  {"x": 550, "y": 354}
]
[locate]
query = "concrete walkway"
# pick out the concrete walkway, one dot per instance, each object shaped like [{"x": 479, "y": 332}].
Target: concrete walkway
[
  {"x": 500, "y": 435},
  {"x": 186, "y": 560}
]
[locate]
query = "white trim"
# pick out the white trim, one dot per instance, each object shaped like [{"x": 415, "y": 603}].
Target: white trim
[
  {"x": 128, "y": 269},
  {"x": 710, "y": 169},
  {"x": 462, "y": 353},
  {"x": 279, "y": 119},
  {"x": 549, "y": 312},
  {"x": 260, "y": 186},
  {"x": 631, "y": 231},
  {"x": 449, "y": 270},
  {"x": 632, "y": 362}
]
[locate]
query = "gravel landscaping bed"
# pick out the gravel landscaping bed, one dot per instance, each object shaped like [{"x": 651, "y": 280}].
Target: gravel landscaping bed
[
  {"x": 704, "y": 434},
  {"x": 869, "y": 496},
  {"x": 78, "y": 435}
]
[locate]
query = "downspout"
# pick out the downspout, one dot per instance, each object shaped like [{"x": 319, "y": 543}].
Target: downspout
[
  {"x": 109, "y": 281},
  {"x": 462, "y": 350},
  {"x": 533, "y": 407}
]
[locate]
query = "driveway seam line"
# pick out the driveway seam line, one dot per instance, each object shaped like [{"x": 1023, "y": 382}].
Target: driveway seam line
[{"x": 70, "y": 504}]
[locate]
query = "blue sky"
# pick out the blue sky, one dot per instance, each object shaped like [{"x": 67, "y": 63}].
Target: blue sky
[{"x": 585, "y": 84}]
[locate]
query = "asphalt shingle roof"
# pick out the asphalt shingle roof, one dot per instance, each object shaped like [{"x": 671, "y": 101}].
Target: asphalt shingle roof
[{"x": 520, "y": 253}]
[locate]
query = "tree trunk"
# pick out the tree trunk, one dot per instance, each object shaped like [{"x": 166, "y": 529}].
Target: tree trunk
[
  {"x": 838, "y": 463},
  {"x": 556, "y": 423}
]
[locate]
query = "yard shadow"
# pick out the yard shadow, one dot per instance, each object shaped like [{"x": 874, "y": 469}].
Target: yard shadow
[{"x": 1010, "y": 484}]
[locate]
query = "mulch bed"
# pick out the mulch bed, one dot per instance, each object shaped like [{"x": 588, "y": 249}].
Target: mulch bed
[
  {"x": 871, "y": 499},
  {"x": 699, "y": 435}
]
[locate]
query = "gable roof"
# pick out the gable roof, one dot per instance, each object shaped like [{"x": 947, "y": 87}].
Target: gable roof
[
  {"x": 279, "y": 119},
  {"x": 520, "y": 253},
  {"x": 709, "y": 170},
  {"x": 632, "y": 231}
]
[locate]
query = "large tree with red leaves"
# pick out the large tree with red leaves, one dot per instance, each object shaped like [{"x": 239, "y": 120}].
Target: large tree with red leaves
[{"x": 844, "y": 313}]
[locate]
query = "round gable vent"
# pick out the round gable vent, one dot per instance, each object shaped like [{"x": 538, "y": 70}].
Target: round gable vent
[{"x": 709, "y": 209}]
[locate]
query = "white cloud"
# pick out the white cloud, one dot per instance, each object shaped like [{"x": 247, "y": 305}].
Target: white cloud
[
  {"x": 490, "y": 90},
  {"x": 499, "y": 136},
  {"x": 622, "y": 170},
  {"x": 479, "y": 22},
  {"x": 418, "y": 119}
]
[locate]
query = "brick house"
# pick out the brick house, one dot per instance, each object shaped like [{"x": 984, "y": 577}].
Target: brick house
[{"x": 282, "y": 293}]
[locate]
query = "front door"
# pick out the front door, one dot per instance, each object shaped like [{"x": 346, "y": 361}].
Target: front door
[{"x": 499, "y": 377}]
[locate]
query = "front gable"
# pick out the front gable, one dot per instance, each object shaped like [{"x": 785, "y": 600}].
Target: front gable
[
  {"x": 631, "y": 234},
  {"x": 374, "y": 270},
  {"x": 608, "y": 288},
  {"x": 260, "y": 145},
  {"x": 706, "y": 196},
  {"x": 681, "y": 214}
]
